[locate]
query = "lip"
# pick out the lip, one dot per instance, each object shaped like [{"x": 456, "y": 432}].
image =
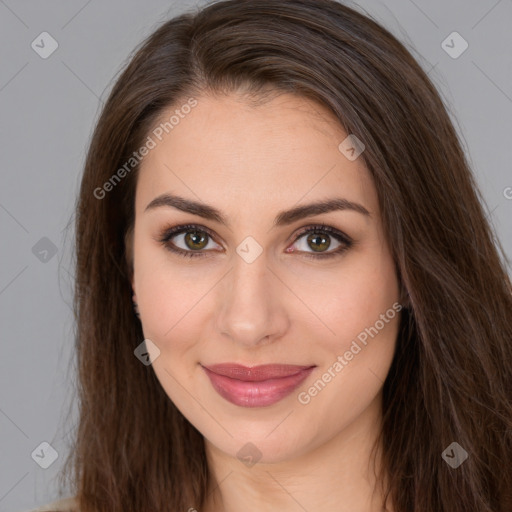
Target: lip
[{"x": 256, "y": 386}]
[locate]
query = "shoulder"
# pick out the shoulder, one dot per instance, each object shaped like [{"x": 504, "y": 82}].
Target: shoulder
[{"x": 62, "y": 505}]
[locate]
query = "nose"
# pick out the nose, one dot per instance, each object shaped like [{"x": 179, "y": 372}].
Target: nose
[{"x": 251, "y": 303}]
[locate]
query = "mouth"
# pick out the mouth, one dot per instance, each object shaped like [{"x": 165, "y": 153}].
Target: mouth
[{"x": 256, "y": 386}]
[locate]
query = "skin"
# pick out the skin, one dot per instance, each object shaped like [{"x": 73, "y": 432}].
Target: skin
[{"x": 251, "y": 163}]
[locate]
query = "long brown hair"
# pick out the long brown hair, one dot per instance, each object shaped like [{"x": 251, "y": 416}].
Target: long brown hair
[{"x": 451, "y": 378}]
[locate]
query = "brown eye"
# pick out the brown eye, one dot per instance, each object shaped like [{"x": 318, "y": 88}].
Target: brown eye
[
  {"x": 317, "y": 239},
  {"x": 188, "y": 241},
  {"x": 196, "y": 240},
  {"x": 318, "y": 243}
]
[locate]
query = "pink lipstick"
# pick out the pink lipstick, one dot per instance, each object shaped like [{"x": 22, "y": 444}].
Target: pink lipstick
[{"x": 256, "y": 386}]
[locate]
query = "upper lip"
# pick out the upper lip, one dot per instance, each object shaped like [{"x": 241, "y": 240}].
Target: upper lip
[{"x": 256, "y": 373}]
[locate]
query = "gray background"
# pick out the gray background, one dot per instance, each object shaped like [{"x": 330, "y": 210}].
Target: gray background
[{"x": 48, "y": 109}]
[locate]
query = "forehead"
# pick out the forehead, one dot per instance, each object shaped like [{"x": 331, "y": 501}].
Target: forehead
[{"x": 228, "y": 152}]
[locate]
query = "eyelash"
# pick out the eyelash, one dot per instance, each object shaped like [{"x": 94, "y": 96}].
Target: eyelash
[{"x": 318, "y": 228}]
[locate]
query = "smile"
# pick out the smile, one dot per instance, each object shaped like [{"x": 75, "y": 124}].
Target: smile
[{"x": 256, "y": 386}]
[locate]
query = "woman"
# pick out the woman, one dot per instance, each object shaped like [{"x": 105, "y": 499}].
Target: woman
[{"x": 288, "y": 295}]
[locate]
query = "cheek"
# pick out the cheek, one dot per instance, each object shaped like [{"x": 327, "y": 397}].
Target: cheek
[
  {"x": 363, "y": 311},
  {"x": 352, "y": 297},
  {"x": 166, "y": 303},
  {"x": 368, "y": 329},
  {"x": 171, "y": 297}
]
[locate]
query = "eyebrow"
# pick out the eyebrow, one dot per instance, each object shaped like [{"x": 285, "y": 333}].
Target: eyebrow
[{"x": 282, "y": 219}]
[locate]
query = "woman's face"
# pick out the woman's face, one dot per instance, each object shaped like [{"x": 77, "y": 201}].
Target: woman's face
[{"x": 257, "y": 290}]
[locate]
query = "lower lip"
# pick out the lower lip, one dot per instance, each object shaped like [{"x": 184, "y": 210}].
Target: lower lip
[{"x": 256, "y": 394}]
